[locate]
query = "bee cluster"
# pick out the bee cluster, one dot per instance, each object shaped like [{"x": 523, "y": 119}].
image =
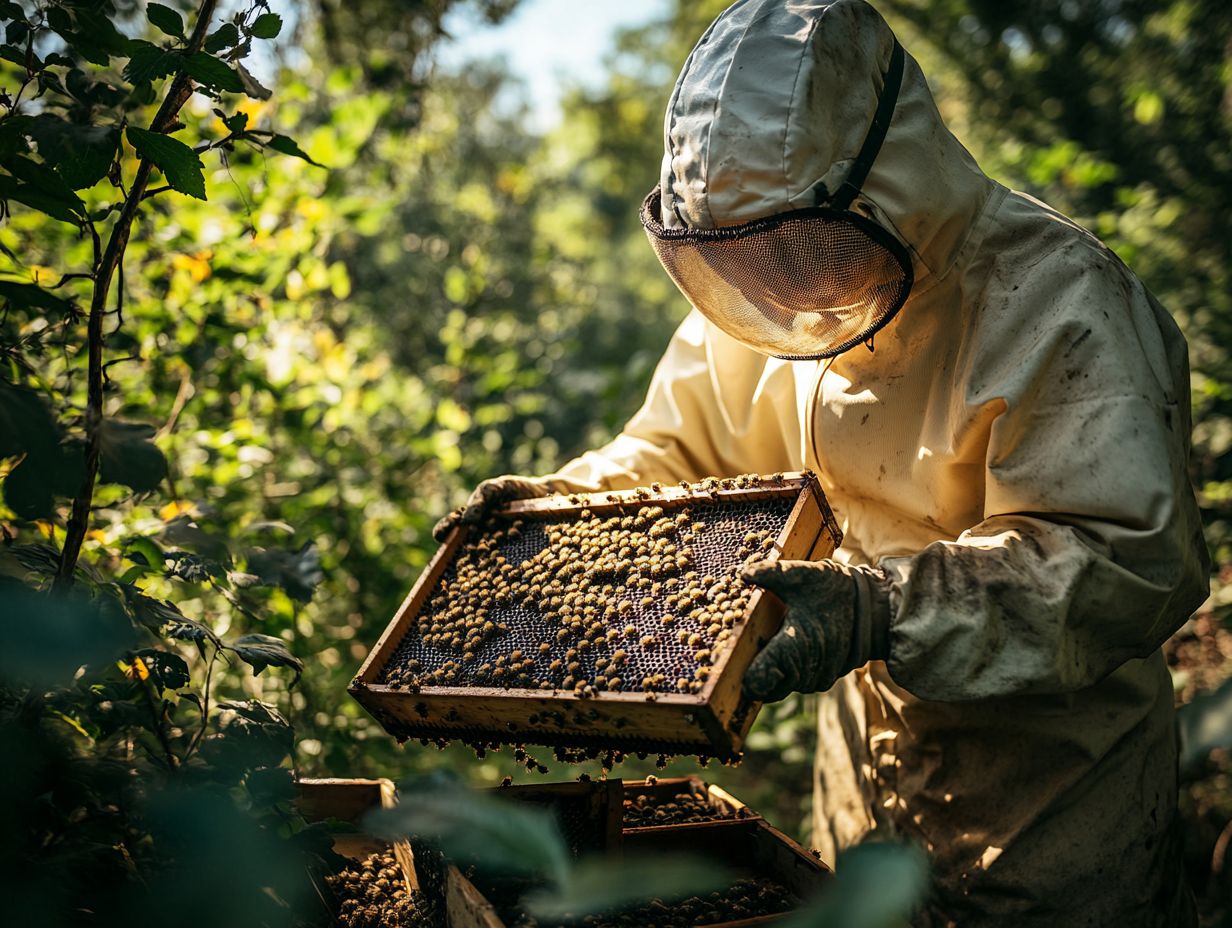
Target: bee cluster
[
  {"x": 748, "y": 897},
  {"x": 638, "y": 598},
  {"x": 373, "y": 894},
  {"x": 684, "y": 808}
]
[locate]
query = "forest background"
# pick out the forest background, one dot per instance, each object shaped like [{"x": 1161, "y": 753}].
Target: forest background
[{"x": 353, "y": 329}]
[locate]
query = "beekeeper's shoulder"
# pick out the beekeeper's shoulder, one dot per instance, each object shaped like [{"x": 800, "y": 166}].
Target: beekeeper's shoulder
[{"x": 1051, "y": 301}]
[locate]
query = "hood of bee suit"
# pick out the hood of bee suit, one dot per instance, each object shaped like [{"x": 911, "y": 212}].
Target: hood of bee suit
[{"x": 778, "y": 97}]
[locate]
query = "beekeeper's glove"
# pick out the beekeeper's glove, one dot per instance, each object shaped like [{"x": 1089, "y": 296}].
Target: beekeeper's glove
[
  {"x": 489, "y": 495},
  {"x": 838, "y": 619}
]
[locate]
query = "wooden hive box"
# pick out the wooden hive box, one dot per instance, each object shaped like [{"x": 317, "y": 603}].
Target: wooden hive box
[
  {"x": 794, "y": 521},
  {"x": 747, "y": 847},
  {"x": 348, "y": 800},
  {"x": 589, "y": 815}
]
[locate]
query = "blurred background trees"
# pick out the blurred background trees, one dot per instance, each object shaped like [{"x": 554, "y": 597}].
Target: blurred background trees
[{"x": 333, "y": 357}]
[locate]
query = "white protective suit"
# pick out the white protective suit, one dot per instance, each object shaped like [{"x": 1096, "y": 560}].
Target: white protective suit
[{"x": 1013, "y": 453}]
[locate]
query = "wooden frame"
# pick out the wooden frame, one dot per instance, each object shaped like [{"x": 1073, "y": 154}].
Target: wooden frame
[
  {"x": 713, "y": 722},
  {"x": 347, "y": 800}
]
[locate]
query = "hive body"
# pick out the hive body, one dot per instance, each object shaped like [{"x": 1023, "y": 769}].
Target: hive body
[{"x": 609, "y": 621}]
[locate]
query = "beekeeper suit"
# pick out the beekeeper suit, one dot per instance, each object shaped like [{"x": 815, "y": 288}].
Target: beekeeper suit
[{"x": 998, "y": 412}]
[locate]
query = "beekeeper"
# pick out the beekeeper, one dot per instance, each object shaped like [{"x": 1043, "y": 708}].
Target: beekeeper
[{"x": 998, "y": 411}]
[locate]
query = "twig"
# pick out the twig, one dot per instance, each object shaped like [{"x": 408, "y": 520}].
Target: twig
[
  {"x": 104, "y": 270},
  {"x": 160, "y": 732},
  {"x": 182, "y": 396},
  {"x": 205, "y": 706}
]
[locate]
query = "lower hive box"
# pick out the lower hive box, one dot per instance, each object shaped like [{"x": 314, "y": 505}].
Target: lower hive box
[
  {"x": 611, "y": 622},
  {"x": 770, "y": 875},
  {"x": 380, "y": 887},
  {"x": 389, "y": 886}
]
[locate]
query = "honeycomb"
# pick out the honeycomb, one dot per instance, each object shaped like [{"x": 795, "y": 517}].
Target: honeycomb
[
  {"x": 688, "y": 806},
  {"x": 639, "y": 600},
  {"x": 372, "y": 894}
]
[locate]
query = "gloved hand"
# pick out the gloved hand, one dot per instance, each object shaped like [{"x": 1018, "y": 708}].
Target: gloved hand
[
  {"x": 838, "y": 619},
  {"x": 489, "y": 495}
]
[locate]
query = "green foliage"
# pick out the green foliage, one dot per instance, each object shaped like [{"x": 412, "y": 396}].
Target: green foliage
[
  {"x": 507, "y": 838},
  {"x": 125, "y": 776}
]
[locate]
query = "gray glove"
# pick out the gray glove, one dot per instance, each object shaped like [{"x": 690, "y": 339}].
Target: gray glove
[
  {"x": 490, "y": 495},
  {"x": 838, "y": 619}
]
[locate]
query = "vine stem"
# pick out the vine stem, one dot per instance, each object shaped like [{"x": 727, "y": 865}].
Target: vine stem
[{"x": 104, "y": 271}]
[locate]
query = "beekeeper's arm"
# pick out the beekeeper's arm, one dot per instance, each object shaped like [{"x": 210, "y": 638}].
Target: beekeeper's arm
[{"x": 1090, "y": 552}]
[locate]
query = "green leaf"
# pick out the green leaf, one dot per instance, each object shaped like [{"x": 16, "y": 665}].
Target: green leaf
[
  {"x": 499, "y": 837},
  {"x": 271, "y": 785},
  {"x": 266, "y": 26},
  {"x": 82, "y": 154},
  {"x": 602, "y": 885},
  {"x": 46, "y": 637},
  {"x": 213, "y": 72},
  {"x": 145, "y": 551},
  {"x": 252, "y": 86},
  {"x": 18, "y": 56},
  {"x": 252, "y": 734},
  {"x": 23, "y": 295},
  {"x": 150, "y": 612},
  {"x": 225, "y": 36},
  {"x": 167, "y": 671},
  {"x": 39, "y": 558},
  {"x": 149, "y": 62},
  {"x": 26, "y": 420},
  {"x": 166, "y": 19},
  {"x": 875, "y": 886},
  {"x": 129, "y": 456},
  {"x": 92, "y": 35},
  {"x": 38, "y": 186},
  {"x": 28, "y": 490},
  {"x": 177, "y": 161},
  {"x": 261, "y": 651},
  {"x": 186, "y": 629},
  {"x": 57, "y": 207},
  {"x": 297, "y": 572},
  {"x": 288, "y": 146},
  {"x": 237, "y": 123}
]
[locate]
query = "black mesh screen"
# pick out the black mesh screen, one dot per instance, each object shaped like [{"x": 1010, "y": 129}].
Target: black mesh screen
[{"x": 806, "y": 284}]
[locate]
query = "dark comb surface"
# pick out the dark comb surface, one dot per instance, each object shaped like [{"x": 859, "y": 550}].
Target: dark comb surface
[{"x": 637, "y": 601}]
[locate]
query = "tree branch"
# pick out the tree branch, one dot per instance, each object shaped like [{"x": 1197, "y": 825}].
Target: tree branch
[{"x": 104, "y": 270}]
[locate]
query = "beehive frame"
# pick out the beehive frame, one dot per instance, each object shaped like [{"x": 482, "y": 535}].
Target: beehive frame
[
  {"x": 664, "y": 789},
  {"x": 712, "y": 722}
]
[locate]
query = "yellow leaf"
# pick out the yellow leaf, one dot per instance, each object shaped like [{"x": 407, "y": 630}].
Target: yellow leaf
[
  {"x": 176, "y": 508},
  {"x": 197, "y": 266}
]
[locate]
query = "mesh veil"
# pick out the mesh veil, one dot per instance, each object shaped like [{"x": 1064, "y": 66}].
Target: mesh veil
[{"x": 809, "y": 283}]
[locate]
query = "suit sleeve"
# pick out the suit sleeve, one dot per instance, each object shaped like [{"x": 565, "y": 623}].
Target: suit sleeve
[{"x": 1090, "y": 553}]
